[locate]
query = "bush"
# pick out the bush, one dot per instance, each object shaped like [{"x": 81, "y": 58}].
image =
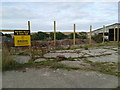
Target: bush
[
  {"x": 59, "y": 35},
  {"x": 39, "y": 36}
]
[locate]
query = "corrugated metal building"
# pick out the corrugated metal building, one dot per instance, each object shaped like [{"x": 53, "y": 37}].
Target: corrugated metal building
[{"x": 109, "y": 31}]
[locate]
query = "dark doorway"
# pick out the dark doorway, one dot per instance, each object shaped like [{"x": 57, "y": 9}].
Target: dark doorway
[{"x": 111, "y": 34}]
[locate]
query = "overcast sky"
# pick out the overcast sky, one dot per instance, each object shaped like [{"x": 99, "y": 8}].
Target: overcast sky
[{"x": 42, "y": 15}]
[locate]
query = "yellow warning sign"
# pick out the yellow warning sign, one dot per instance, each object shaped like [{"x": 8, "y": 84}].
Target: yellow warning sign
[{"x": 22, "y": 40}]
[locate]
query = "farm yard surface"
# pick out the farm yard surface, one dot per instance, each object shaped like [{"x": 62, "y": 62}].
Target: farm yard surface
[{"x": 89, "y": 66}]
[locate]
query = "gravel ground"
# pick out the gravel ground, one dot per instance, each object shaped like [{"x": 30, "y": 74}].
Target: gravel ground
[{"x": 49, "y": 78}]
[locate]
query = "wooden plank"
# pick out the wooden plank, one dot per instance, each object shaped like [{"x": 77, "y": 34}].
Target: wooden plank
[{"x": 6, "y": 30}]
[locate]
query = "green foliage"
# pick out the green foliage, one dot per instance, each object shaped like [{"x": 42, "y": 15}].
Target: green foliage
[
  {"x": 59, "y": 35},
  {"x": 51, "y": 35},
  {"x": 82, "y": 35},
  {"x": 7, "y": 35},
  {"x": 23, "y": 53},
  {"x": 7, "y": 61},
  {"x": 39, "y": 36},
  {"x": 43, "y": 36},
  {"x": 71, "y": 35}
]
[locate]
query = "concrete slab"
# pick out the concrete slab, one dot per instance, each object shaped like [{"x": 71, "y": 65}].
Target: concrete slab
[
  {"x": 40, "y": 59},
  {"x": 109, "y": 58},
  {"x": 21, "y": 59},
  {"x": 49, "y": 78},
  {"x": 95, "y": 52},
  {"x": 67, "y": 55},
  {"x": 76, "y": 64},
  {"x": 79, "y": 53}
]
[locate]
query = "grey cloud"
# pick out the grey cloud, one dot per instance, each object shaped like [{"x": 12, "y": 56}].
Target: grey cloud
[{"x": 42, "y": 15}]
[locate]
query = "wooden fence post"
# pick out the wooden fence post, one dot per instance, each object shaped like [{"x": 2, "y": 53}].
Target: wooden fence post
[
  {"x": 28, "y": 25},
  {"x": 74, "y": 35},
  {"x": 118, "y": 33},
  {"x": 90, "y": 34},
  {"x": 114, "y": 33},
  {"x": 104, "y": 33},
  {"x": 54, "y": 33},
  {"x": 30, "y": 48}
]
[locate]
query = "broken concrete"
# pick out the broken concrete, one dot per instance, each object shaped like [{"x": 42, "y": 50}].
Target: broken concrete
[
  {"x": 76, "y": 64},
  {"x": 21, "y": 59},
  {"x": 109, "y": 58},
  {"x": 40, "y": 59}
]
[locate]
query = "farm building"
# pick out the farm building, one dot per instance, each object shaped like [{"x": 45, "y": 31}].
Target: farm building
[{"x": 111, "y": 32}]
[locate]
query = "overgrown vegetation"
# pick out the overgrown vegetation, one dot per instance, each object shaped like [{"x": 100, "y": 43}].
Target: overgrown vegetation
[
  {"x": 98, "y": 38},
  {"x": 39, "y": 36},
  {"x": 7, "y": 61},
  {"x": 59, "y": 36},
  {"x": 106, "y": 67},
  {"x": 87, "y": 46}
]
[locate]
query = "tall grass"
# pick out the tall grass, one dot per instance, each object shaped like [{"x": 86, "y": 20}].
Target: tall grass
[{"x": 7, "y": 61}]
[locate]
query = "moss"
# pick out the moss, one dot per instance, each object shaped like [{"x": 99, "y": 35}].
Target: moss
[{"x": 23, "y": 53}]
